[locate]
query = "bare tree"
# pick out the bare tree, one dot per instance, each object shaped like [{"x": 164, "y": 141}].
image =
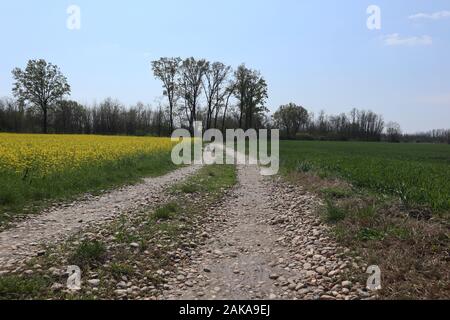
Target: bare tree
[
  {"x": 394, "y": 132},
  {"x": 213, "y": 85},
  {"x": 229, "y": 91},
  {"x": 167, "y": 70},
  {"x": 40, "y": 84},
  {"x": 190, "y": 86}
]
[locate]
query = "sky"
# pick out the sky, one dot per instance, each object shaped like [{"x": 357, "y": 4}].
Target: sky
[{"x": 317, "y": 53}]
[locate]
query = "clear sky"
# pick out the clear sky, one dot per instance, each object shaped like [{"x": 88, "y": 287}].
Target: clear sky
[{"x": 317, "y": 53}]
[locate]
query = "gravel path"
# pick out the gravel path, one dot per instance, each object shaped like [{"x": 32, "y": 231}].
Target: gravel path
[
  {"x": 266, "y": 242},
  {"x": 23, "y": 241}
]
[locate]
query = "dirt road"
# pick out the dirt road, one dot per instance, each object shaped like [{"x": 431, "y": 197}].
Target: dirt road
[
  {"x": 23, "y": 241},
  {"x": 267, "y": 242}
]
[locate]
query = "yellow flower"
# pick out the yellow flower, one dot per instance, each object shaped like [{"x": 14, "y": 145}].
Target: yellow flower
[{"x": 46, "y": 154}]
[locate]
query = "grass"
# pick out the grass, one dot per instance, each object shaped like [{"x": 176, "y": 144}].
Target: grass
[
  {"x": 334, "y": 213},
  {"x": 337, "y": 193},
  {"x": 20, "y": 196},
  {"x": 13, "y": 287},
  {"x": 167, "y": 211},
  {"x": 412, "y": 253},
  {"x": 211, "y": 179},
  {"x": 388, "y": 203},
  {"x": 122, "y": 234},
  {"x": 88, "y": 253},
  {"x": 418, "y": 174},
  {"x": 119, "y": 270},
  {"x": 190, "y": 188}
]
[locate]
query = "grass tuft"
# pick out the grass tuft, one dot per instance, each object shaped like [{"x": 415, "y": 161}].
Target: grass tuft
[
  {"x": 369, "y": 234},
  {"x": 121, "y": 269},
  {"x": 334, "y": 214},
  {"x": 88, "y": 253},
  {"x": 167, "y": 212}
]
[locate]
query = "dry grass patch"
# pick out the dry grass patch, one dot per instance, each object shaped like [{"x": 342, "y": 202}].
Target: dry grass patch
[{"x": 409, "y": 244}]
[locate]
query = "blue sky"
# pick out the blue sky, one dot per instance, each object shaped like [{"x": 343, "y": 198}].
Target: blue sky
[{"x": 317, "y": 53}]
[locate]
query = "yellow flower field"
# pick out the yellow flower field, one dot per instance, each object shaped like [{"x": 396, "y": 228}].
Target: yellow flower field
[{"x": 46, "y": 154}]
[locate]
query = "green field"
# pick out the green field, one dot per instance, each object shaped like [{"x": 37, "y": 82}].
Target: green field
[{"x": 418, "y": 174}]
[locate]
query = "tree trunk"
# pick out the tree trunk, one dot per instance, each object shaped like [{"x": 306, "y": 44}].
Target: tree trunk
[
  {"x": 44, "y": 120},
  {"x": 171, "y": 116},
  {"x": 240, "y": 116},
  {"x": 159, "y": 122},
  {"x": 215, "y": 117},
  {"x": 250, "y": 118},
  {"x": 224, "y": 118},
  {"x": 225, "y": 112}
]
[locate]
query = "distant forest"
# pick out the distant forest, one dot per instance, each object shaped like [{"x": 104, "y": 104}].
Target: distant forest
[{"x": 192, "y": 90}]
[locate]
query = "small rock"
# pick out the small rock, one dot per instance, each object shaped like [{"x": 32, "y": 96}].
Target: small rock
[
  {"x": 120, "y": 292},
  {"x": 57, "y": 286},
  {"x": 346, "y": 284},
  {"x": 303, "y": 291},
  {"x": 327, "y": 297},
  {"x": 321, "y": 270},
  {"x": 94, "y": 282},
  {"x": 40, "y": 253},
  {"x": 299, "y": 286}
]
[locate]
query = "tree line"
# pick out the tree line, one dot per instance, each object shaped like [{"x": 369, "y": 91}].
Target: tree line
[
  {"x": 295, "y": 122},
  {"x": 357, "y": 124},
  {"x": 238, "y": 96},
  {"x": 192, "y": 90},
  {"x": 110, "y": 117}
]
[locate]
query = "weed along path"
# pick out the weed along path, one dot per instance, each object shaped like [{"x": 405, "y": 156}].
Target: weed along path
[
  {"x": 23, "y": 241},
  {"x": 266, "y": 242}
]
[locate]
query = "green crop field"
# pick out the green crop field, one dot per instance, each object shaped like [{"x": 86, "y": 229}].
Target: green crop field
[{"x": 419, "y": 174}]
